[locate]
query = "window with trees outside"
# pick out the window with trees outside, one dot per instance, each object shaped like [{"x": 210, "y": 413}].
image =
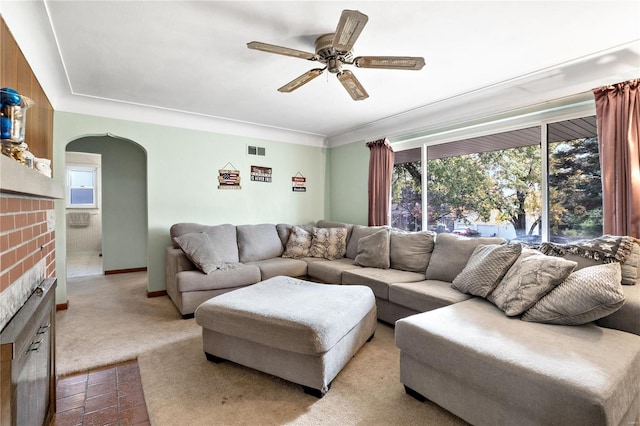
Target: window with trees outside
[{"x": 494, "y": 185}]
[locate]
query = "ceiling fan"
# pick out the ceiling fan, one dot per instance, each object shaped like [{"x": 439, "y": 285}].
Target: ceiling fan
[{"x": 335, "y": 50}]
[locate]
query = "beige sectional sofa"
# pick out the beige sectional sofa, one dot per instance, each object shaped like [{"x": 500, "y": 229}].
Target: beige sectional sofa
[{"x": 459, "y": 347}]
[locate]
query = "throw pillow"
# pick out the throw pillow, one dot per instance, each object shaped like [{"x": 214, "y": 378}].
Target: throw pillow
[
  {"x": 373, "y": 251},
  {"x": 486, "y": 267},
  {"x": 451, "y": 254},
  {"x": 604, "y": 249},
  {"x": 586, "y": 295},
  {"x": 357, "y": 232},
  {"x": 199, "y": 249},
  {"x": 298, "y": 244},
  {"x": 411, "y": 251},
  {"x": 330, "y": 243},
  {"x": 532, "y": 276}
]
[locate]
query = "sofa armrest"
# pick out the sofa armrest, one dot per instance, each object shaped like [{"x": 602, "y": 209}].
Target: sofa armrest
[{"x": 175, "y": 261}]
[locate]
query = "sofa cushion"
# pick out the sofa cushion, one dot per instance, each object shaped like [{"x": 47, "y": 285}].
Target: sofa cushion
[
  {"x": 411, "y": 251},
  {"x": 451, "y": 253},
  {"x": 280, "y": 266},
  {"x": 223, "y": 238},
  {"x": 486, "y": 267},
  {"x": 605, "y": 249},
  {"x": 199, "y": 249},
  {"x": 426, "y": 295},
  {"x": 373, "y": 250},
  {"x": 625, "y": 318},
  {"x": 298, "y": 244},
  {"x": 329, "y": 271},
  {"x": 586, "y": 295},
  {"x": 493, "y": 369},
  {"x": 357, "y": 232},
  {"x": 258, "y": 242},
  {"x": 329, "y": 243},
  {"x": 532, "y": 276},
  {"x": 379, "y": 279},
  {"x": 240, "y": 276}
]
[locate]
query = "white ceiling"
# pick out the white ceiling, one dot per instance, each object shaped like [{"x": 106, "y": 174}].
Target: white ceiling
[{"x": 186, "y": 62}]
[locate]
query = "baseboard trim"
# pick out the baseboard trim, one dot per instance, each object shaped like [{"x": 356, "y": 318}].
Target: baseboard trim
[
  {"x": 158, "y": 293},
  {"x": 62, "y": 306},
  {"x": 125, "y": 271}
]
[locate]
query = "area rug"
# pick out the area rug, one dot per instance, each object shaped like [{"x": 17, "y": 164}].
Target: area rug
[{"x": 110, "y": 319}]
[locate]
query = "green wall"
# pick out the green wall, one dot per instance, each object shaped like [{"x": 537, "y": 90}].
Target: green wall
[
  {"x": 182, "y": 179},
  {"x": 349, "y": 195},
  {"x": 123, "y": 200}
]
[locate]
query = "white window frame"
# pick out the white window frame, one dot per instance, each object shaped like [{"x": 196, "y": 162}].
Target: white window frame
[{"x": 82, "y": 168}]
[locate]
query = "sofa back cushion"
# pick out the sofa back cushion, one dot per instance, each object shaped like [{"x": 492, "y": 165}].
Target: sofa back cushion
[
  {"x": 411, "y": 251},
  {"x": 258, "y": 242},
  {"x": 357, "y": 232},
  {"x": 223, "y": 238},
  {"x": 451, "y": 254}
]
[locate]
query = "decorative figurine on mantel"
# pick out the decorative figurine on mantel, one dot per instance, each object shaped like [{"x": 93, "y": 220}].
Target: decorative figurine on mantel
[{"x": 13, "y": 119}]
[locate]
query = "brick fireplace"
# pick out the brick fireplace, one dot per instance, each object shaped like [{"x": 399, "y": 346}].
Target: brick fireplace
[{"x": 27, "y": 249}]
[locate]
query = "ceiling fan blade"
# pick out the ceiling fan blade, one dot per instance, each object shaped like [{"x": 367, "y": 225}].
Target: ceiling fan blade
[
  {"x": 302, "y": 80},
  {"x": 272, "y": 48},
  {"x": 348, "y": 30},
  {"x": 390, "y": 62},
  {"x": 353, "y": 86}
]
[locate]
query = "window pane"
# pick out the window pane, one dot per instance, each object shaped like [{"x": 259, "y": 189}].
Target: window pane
[
  {"x": 82, "y": 196},
  {"x": 78, "y": 178},
  {"x": 406, "y": 196},
  {"x": 575, "y": 185},
  {"x": 494, "y": 191}
]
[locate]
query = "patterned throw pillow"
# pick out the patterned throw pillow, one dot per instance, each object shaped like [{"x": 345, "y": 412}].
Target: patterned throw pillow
[
  {"x": 199, "y": 249},
  {"x": 486, "y": 267},
  {"x": 373, "y": 251},
  {"x": 531, "y": 277},
  {"x": 298, "y": 244},
  {"x": 586, "y": 295},
  {"x": 330, "y": 243}
]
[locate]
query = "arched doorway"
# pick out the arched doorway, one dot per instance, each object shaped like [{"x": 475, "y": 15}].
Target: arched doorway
[{"x": 121, "y": 200}]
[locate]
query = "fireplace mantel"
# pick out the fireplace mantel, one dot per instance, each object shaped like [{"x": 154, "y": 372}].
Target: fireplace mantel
[{"x": 16, "y": 178}]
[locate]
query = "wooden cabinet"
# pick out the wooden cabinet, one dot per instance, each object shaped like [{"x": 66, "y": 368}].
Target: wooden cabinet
[{"x": 27, "y": 361}]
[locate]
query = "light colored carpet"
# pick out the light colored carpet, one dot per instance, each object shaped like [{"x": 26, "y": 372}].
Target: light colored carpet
[{"x": 110, "y": 320}]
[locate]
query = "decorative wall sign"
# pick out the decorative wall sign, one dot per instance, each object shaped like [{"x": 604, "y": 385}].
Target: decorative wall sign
[
  {"x": 298, "y": 183},
  {"x": 261, "y": 174},
  {"x": 229, "y": 178}
]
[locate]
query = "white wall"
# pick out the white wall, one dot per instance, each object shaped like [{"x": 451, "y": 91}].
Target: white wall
[{"x": 182, "y": 176}]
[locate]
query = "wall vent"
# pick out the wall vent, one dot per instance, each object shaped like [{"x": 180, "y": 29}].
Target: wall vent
[{"x": 256, "y": 150}]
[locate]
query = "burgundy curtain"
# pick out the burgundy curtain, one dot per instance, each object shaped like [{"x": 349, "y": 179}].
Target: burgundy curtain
[
  {"x": 380, "y": 171},
  {"x": 618, "y": 118}
]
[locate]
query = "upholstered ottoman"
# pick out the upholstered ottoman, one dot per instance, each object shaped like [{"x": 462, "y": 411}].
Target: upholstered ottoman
[{"x": 297, "y": 330}]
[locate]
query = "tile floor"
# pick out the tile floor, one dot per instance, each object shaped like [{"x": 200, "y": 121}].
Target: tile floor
[
  {"x": 80, "y": 265},
  {"x": 110, "y": 395}
]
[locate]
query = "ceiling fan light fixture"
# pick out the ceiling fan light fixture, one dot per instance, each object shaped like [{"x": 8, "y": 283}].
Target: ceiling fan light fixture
[
  {"x": 390, "y": 62},
  {"x": 302, "y": 80},
  {"x": 352, "y": 85}
]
